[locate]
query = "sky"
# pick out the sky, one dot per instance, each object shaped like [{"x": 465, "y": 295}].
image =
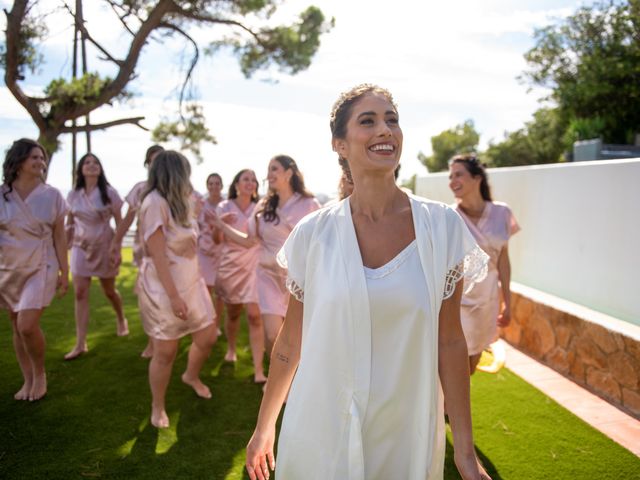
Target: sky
[{"x": 444, "y": 62}]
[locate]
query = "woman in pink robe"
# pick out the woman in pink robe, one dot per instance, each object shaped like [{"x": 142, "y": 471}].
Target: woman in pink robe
[
  {"x": 92, "y": 205},
  {"x": 236, "y": 277},
  {"x": 33, "y": 256},
  {"x": 287, "y": 202},
  {"x": 210, "y": 252},
  {"x": 134, "y": 199},
  {"x": 172, "y": 296},
  {"x": 491, "y": 224}
]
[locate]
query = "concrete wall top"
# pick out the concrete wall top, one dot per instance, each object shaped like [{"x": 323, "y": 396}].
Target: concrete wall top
[{"x": 580, "y": 237}]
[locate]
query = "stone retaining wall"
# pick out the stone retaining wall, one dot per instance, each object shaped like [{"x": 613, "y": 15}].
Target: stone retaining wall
[{"x": 595, "y": 354}]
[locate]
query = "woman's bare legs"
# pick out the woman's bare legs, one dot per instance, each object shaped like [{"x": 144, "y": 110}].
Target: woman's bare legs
[
  {"x": 201, "y": 343},
  {"x": 218, "y": 305},
  {"x": 231, "y": 327},
  {"x": 81, "y": 286},
  {"x": 272, "y": 324},
  {"x": 164, "y": 353},
  {"x": 23, "y": 360},
  {"x": 148, "y": 350},
  {"x": 111, "y": 292},
  {"x": 256, "y": 341},
  {"x": 29, "y": 344},
  {"x": 473, "y": 362}
]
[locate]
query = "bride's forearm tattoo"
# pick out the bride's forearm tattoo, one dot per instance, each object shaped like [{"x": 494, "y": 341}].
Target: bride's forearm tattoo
[{"x": 282, "y": 357}]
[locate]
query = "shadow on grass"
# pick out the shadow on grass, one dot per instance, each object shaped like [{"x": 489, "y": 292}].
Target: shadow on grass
[{"x": 451, "y": 472}]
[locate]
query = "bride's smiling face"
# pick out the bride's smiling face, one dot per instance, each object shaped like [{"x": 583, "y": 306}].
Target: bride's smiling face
[{"x": 373, "y": 139}]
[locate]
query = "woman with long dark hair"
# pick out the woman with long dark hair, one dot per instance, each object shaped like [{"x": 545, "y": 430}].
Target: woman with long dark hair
[
  {"x": 286, "y": 203},
  {"x": 172, "y": 296},
  {"x": 92, "y": 204},
  {"x": 33, "y": 256},
  {"x": 236, "y": 277},
  {"x": 372, "y": 337},
  {"x": 488, "y": 305}
]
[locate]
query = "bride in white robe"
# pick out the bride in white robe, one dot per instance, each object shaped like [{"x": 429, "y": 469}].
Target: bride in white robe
[{"x": 372, "y": 332}]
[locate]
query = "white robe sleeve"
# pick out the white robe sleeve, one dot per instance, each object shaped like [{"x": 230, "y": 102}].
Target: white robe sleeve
[
  {"x": 293, "y": 257},
  {"x": 465, "y": 259}
]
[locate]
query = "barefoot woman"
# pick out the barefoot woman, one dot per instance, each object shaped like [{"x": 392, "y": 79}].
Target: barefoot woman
[
  {"x": 33, "y": 256},
  {"x": 172, "y": 295},
  {"x": 92, "y": 205}
]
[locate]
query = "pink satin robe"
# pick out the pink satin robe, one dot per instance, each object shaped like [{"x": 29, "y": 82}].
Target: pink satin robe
[
  {"x": 92, "y": 232},
  {"x": 157, "y": 315},
  {"x": 28, "y": 263},
  {"x": 273, "y": 295},
  {"x": 209, "y": 253},
  {"x": 480, "y": 307},
  {"x": 236, "y": 278},
  {"x": 133, "y": 199}
]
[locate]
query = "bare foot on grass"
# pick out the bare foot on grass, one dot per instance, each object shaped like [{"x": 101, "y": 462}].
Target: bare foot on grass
[
  {"x": 122, "y": 330},
  {"x": 259, "y": 379},
  {"x": 76, "y": 352},
  {"x": 230, "y": 357},
  {"x": 200, "y": 388},
  {"x": 39, "y": 387},
  {"x": 159, "y": 418},
  {"x": 148, "y": 351},
  {"x": 23, "y": 393}
]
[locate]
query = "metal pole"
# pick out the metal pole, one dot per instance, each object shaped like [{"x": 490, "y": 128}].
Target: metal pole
[{"x": 80, "y": 20}]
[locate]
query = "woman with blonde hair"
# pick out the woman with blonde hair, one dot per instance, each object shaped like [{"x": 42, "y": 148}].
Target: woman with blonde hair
[
  {"x": 33, "y": 256},
  {"x": 172, "y": 296},
  {"x": 372, "y": 331}
]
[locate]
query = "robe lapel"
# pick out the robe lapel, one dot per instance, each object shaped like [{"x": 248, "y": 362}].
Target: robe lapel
[
  {"x": 31, "y": 224},
  {"x": 359, "y": 315},
  {"x": 477, "y": 233}
]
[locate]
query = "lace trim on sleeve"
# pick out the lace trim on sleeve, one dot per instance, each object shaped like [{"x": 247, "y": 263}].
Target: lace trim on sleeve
[
  {"x": 473, "y": 269},
  {"x": 295, "y": 290}
]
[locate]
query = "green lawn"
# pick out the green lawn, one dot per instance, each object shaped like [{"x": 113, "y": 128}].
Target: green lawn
[{"x": 94, "y": 421}]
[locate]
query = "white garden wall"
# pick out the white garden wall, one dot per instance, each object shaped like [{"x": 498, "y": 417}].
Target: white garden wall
[{"x": 580, "y": 237}]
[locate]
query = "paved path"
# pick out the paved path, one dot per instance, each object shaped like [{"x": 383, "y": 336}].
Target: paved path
[{"x": 615, "y": 424}]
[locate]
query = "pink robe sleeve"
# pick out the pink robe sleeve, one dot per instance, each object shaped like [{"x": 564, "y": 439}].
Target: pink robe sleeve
[
  {"x": 512, "y": 224},
  {"x": 116, "y": 201},
  {"x": 154, "y": 215}
]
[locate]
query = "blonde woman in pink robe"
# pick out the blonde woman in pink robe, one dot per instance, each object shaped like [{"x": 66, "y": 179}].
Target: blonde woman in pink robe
[
  {"x": 33, "y": 256},
  {"x": 236, "y": 277},
  {"x": 92, "y": 205},
  {"x": 287, "y": 202},
  {"x": 134, "y": 199},
  {"x": 172, "y": 296},
  {"x": 210, "y": 252},
  {"x": 488, "y": 305}
]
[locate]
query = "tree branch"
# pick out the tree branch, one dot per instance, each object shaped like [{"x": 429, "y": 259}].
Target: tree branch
[
  {"x": 15, "y": 19},
  {"x": 126, "y": 70},
  {"x": 101, "y": 126},
  {"x": 223, "y": 21},
  {"x": 87, "y": 35},
  {"x": 194, "y": 61}
]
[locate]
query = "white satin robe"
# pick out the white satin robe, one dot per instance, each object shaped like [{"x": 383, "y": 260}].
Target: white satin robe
[{"x": 321, "y": 434}]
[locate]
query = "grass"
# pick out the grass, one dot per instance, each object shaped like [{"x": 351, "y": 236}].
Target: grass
[{"x": 94, "y": 421}]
